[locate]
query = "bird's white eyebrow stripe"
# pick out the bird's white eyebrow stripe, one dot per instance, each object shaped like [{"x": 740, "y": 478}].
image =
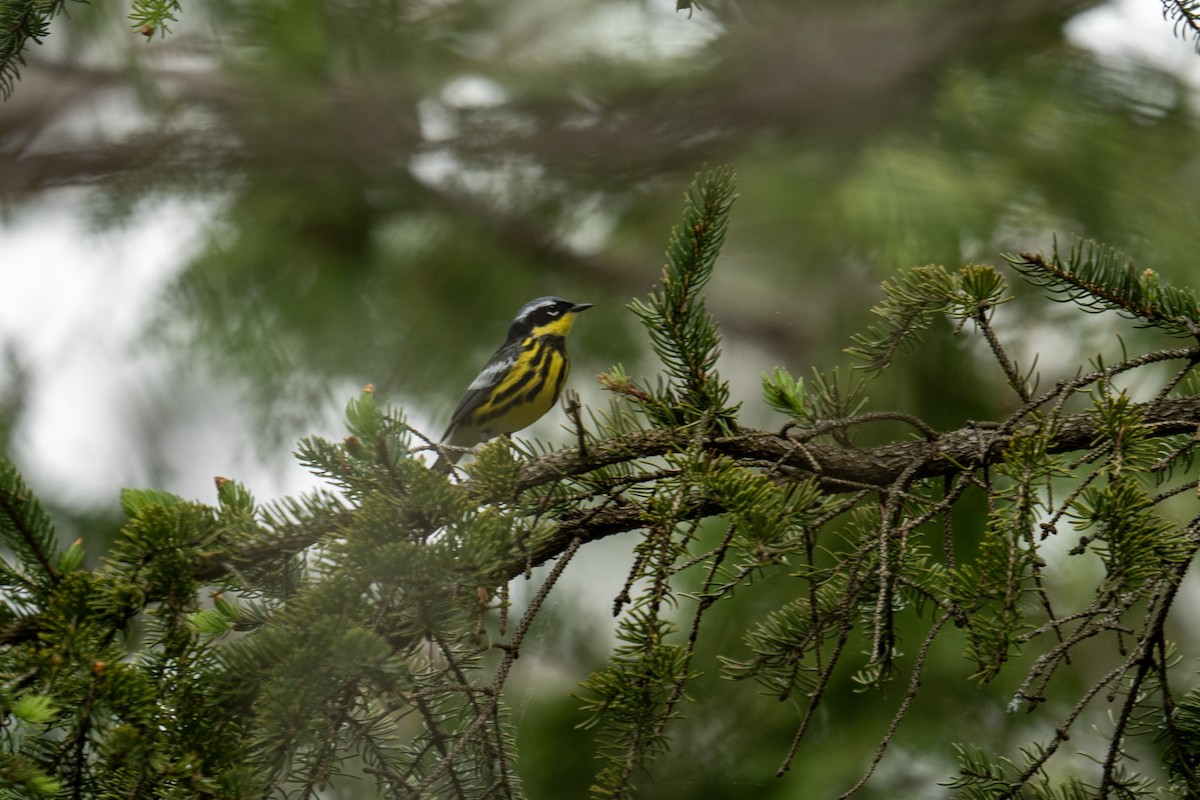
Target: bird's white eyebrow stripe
[{"x": 544, "y": 304}]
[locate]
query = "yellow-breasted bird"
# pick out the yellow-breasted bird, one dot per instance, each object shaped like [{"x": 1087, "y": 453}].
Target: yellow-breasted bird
[{"x": 520, "y": 382}]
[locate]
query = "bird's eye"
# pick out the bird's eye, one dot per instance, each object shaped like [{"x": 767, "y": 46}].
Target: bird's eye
[{"x": 554, "y": 312}]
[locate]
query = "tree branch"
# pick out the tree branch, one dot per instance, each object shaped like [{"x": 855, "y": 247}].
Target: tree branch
[
  {"x": 838, "y": 469},
  {"x": 835, "y": 469}
]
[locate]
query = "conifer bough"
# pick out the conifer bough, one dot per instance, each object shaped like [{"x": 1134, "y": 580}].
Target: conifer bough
[{"x": 365, "y": 631}]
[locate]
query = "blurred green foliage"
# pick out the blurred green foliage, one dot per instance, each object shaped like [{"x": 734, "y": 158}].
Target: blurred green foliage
[{"x": 391, "y": 180}]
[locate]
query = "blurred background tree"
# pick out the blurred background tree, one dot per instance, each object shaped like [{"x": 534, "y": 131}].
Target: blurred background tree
[{"x": 378, "y": 186}]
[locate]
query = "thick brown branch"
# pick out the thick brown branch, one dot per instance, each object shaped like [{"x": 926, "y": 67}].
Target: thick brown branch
[
  {"x": 835, "y": 470},
  {"x": 838, "y": 469}
]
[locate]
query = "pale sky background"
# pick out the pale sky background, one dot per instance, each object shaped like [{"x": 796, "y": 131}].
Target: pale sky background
[{"x": 76, "y": 302}]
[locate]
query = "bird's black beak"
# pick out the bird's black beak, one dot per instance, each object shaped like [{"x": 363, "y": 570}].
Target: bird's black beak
[{"x": 580, "y": 307}]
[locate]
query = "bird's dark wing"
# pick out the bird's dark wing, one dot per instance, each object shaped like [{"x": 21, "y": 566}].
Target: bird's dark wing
[{"x": 488, "y": 378}]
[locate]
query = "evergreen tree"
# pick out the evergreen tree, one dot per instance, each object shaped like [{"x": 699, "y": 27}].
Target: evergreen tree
[{"x": 367, "y": 632}]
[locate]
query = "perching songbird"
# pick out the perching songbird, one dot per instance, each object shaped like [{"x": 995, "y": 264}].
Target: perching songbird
[{"x": 520, "y": 382}]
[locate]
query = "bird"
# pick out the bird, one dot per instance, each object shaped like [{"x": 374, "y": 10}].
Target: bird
[{"x": 520, "y": 382}]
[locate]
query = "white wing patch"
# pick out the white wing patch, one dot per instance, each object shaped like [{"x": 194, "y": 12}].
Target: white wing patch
[{"x": 490, "y": 375}]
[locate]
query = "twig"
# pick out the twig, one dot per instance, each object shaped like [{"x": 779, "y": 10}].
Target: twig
[
  {"x": 914, "y": 685},
  {"x": 1010, "y": 372}
]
